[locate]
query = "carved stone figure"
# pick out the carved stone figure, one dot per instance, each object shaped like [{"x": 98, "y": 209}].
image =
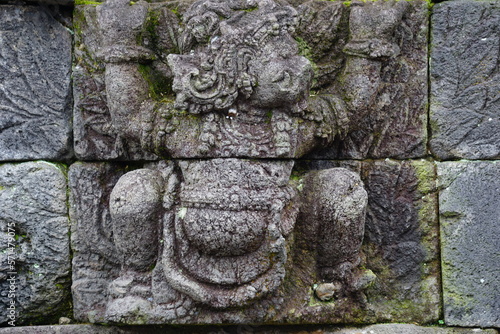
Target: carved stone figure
[{"x": 214, "y": 228}]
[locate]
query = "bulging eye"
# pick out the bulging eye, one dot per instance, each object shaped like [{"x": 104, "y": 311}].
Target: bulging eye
[
  {"x": 282, "y": 76},
  {"x": 283, "y": 80}
]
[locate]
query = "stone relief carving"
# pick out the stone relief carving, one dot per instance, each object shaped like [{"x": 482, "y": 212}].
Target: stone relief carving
[{"x": 210, "y": 234}]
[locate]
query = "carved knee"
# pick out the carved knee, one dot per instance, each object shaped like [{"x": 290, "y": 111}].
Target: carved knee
[
  {"x": 336, "y": 201},
  {"x": 135, "y": 207}
]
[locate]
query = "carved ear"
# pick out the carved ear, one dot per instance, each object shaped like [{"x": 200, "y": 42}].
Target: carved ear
[{"x": 198, "y": 92}]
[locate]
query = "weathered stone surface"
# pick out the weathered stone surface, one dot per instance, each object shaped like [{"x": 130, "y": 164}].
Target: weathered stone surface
[
  {"x": 35, "y": 92},
  {"x": 401, "y": 282},
  {"x": 377, "y": 63},
  {"x": 469, "y": 209},
  {"x": 408, "y": 329},
  {"x": 402, "y": 236},
  {"x": 230, "y": 240},
  {"x": 245, "y": 329},
  {"x": 235, "y": 111},
  {"x": 401, "y": 239},
  {"x": 95, "y": 136},
  {"x": 465, "y": 80},
  {"x": 226, "y": 230},
  {"x": 35, "y": 226},
  {"x": 94, "y": 255}
]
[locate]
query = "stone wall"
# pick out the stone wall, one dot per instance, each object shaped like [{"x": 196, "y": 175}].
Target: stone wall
[{"x": 425, "y": 147}]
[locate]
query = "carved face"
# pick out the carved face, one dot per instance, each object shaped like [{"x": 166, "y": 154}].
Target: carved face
[
  {"x": 248, "y": 58},
  {"x": 282, "y": 80}
]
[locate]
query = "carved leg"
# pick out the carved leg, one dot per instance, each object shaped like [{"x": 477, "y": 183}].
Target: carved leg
[
  {"x": 136, "y": 207},
  {"x": 336, "y": 201}
]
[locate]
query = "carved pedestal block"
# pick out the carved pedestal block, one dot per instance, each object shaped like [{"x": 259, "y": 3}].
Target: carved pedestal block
[{"x": 214, "y": 247}]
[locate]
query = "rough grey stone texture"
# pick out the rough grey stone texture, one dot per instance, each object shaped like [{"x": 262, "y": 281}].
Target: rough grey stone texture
[
  {"x": 401, "y": 238},
  {"x": 35, "y": 90},
  {"x": 469, "y": 209},
  {"x": 399, "y": 250},
  {"x": 377, "y": 63},
  {"x": 378, "y": 117},
  {"x": 210, "y": 237},
  {"x": 94, "y": 252},
  {"x": 245, "y": 329},
  {"x": 221, "y": 240},
  {"x": 95, "y": 136},
  {"x": 225, "y": 240},
  {"x": 465, "y": 80},
  {"x": 35, "y": 227},
  {"x": 409, "y": 329}
]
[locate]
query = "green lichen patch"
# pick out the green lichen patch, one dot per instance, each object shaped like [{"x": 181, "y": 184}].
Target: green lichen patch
[
  {"x": 160, "y": 86},
  {"x": 426, "y": 174},
  {"x": 84, "y": 2},
  {"x": 85, "y": 26},
  {"x": 149, "y": 34},
  {"x": 304, "y": 48}
]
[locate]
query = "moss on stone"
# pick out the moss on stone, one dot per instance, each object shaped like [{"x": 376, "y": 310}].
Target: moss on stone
[
  {"x": 78, "y": 19},
  {"x": 160, "y": 86},
  {"x": 304, "y": 48},
  {"x": 82, "y": 56},
  {"x": 306, "y": 51},
  {"x": 149, "y": 31},
  {"x": 425, "y": 172},
  {"x": 433, "y": 125},
  {"x": 85, "y": 2}
]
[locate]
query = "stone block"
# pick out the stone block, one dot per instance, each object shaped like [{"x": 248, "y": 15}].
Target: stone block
[
  {"x": 401, "y": 238},
  {"x": 35, "y": 254},
  {"x": 469, "y": 211},
  {"x": 399, "y": 251},
  {"x": 465, "y": 80},
  {"x": 408, "y": 329},
  {"x": 225, "y": 232},
  {"x": 35, "y": 90},
  {"x": 369, "y": 87},
  {"x": 95, "y": 136}
]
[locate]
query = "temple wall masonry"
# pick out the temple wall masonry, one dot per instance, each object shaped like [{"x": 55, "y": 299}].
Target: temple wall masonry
[{"x": 258, "y": 166}]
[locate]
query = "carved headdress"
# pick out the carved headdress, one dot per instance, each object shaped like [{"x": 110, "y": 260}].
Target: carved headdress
[{"x": 221, "y": 42}]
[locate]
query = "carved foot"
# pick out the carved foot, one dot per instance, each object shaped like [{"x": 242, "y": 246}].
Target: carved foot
[
  {"x": 131, "y": 283},
  {"x": 128, "y": 310},
  {"x": 354, "y": 284}
]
